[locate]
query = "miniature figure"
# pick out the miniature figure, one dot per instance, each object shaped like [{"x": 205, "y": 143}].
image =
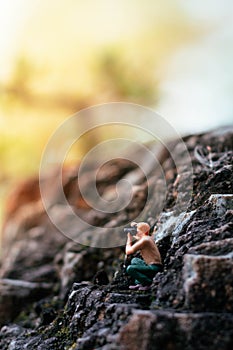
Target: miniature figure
[{"x": 144, "y": 270}]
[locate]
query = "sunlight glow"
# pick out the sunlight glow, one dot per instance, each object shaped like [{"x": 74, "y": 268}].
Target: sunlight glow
[{"x": 13, "y": 15}]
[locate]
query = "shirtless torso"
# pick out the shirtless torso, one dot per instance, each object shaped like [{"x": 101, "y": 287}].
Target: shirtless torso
[{"x": 148, "y": 249}]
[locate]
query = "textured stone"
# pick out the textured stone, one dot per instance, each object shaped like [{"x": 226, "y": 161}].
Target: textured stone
[
  {"x": 153, "y": 330},
  {"x": 208, "y": 282},
  {"x": 15, "y": 293},
  {"x": 170, "y": 225},
  {"x": 215, "y": 248},
  {"x": 137, "y": 333},
  {"x": 221, "y": 203}
]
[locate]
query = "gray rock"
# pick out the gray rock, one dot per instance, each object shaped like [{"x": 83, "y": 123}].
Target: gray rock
[
  {"x": 215, "y": 248},
  {"x": 16, "y": 295},
  {"x": 221, "y": 203},
  {"x": 152, "y": 330},
  {"x": 208, "y": 282},
  {"x": 170, "y": 225}
]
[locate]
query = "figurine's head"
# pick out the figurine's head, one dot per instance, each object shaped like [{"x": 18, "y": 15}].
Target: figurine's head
[{"x": 143, "y": 229}]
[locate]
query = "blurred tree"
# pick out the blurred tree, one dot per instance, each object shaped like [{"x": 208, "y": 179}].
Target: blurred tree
[
  {"x": 18, "y": 85},
  {"x": 120, "y": 79}
]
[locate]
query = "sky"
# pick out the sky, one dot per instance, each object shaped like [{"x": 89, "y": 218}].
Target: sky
[{"x": 198, "y": 88}]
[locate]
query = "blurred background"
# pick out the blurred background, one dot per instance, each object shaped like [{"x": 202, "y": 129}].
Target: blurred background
[{"x": 57, "y": 57}]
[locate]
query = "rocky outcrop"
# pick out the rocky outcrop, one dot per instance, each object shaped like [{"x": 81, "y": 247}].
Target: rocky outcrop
[
  {"x": 14, "y": 292},
  {"x": 57, "y": 294}
]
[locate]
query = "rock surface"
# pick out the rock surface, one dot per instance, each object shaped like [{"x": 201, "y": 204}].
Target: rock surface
[{"x": 57, "y": 294}]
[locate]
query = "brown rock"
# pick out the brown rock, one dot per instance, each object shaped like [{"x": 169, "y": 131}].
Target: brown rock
[
  {"x": 136, "y": 335},
  {"x": 208, "y": 282}
]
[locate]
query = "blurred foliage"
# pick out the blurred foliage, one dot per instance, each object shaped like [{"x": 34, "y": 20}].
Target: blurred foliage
[
  {"x": 19, "y": 84},
  {"x": 33, "y": 116},
  {"x": 124, "y": 80}
]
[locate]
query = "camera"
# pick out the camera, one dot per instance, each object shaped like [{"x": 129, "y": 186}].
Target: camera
[{"x": 132, "y": 230}]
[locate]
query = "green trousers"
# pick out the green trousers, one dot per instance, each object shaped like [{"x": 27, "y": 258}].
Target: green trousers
[{"x": 141, "y": 272}]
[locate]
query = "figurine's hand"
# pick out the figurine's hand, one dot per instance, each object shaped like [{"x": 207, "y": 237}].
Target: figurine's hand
[{"x": 133, "y": 224}]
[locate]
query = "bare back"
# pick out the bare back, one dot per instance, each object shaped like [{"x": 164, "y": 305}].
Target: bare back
[{"x": 149, "y": 251}]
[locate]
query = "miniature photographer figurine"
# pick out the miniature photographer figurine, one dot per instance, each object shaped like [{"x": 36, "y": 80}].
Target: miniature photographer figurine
[{"x": 144, "y": 270}]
